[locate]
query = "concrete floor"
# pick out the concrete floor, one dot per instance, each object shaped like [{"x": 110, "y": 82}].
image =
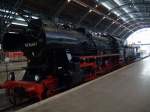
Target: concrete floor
[{"x": 125, "y": 90}]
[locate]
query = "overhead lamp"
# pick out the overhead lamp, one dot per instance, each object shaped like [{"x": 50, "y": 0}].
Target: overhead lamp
[
  {"x": 96, "y": 5},
  {"x": 68, "y": 1},
  {"x": 118, "y": 19},
  {"x": 20, "y": 19},
  {"x": 20, "y": 24},
  {"x": 116, "y": 13},
  {"x": 13, "y": 32},
  {"x": 132, "y": 16},
  {"x": 106, "y": 5},
  {"x": 90, "y": 10},
  {"x": 109, "y": 13},
  {"x": 80, "y": 3},
  {"x": 118, "y": 2},
  {"x": 104, "y": 17},
  {"x": 126, "y": 9},
  {"x": 33, "y": 17},
  {"x": 7, "y": 11}
]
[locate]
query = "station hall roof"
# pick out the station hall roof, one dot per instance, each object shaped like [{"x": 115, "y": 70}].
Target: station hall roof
[{"x": 118, "y": 17}]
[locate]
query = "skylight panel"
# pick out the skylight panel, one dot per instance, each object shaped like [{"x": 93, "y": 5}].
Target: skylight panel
[
  {"x": 107, "y": 5},
  {"x": 118, "y": 2}
]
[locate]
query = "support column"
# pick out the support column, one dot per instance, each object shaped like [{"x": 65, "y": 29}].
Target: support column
[
  {"x": 109, "y": 26},
  {"x": 83, "y": 17},
  {"x": 100, "y": 21},
  {"x": 61, "y": 8}
]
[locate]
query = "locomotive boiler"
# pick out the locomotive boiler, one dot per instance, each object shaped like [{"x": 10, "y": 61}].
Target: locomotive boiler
[{"x": 59, "y": 59}]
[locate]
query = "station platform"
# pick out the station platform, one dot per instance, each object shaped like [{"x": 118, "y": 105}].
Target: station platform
[{"x": 124, "y": 90}]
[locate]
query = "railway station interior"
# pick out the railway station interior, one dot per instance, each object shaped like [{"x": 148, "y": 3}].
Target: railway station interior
[{"x": 74, "y": 55}]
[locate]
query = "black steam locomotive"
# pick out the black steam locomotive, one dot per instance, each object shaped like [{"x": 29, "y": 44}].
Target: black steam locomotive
[{"x": 61, "y": 59}]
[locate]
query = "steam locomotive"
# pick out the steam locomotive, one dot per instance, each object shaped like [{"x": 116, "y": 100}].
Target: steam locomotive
[{"x": 61, "y": 59}]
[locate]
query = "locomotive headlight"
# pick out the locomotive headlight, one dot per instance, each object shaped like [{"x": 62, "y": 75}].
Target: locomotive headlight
[{"x": 36, "y": 78}]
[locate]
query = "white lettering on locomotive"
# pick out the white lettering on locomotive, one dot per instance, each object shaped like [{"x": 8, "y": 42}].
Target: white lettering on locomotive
[{"x": 31, "y": 44}]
